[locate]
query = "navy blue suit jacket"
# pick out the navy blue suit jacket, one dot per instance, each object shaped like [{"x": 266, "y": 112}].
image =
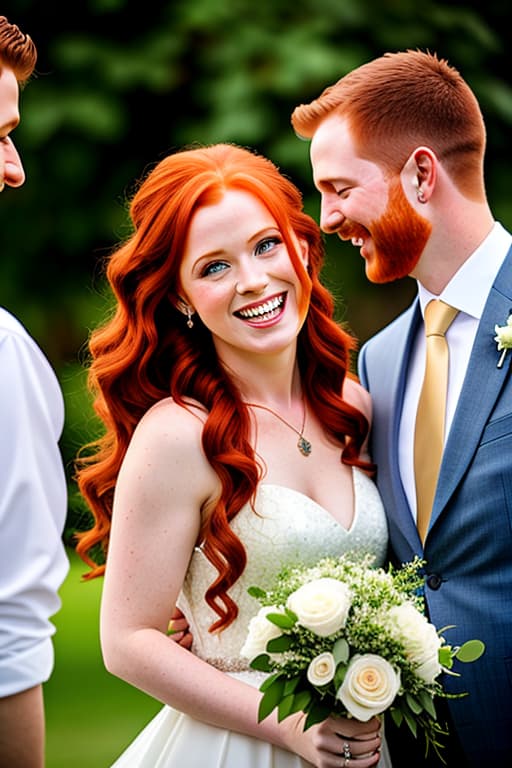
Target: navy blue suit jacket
[{"x": 468, "y": 547}]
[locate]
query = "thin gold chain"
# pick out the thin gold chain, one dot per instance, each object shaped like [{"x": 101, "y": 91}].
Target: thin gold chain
[{"x": 303, "y": 444}]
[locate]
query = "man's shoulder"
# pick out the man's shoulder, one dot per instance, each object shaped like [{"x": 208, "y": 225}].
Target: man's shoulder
[
  {"x": 395, "y": 328},
  {"x": 11, "y": 325}
]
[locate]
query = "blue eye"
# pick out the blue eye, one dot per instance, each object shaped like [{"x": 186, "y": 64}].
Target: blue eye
[
  {"x": 213, "y": 268},
  {"x": 266, "y": 245}
]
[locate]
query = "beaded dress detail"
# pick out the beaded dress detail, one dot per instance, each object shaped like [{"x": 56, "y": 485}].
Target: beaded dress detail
[{"x": 287, "y": 528}]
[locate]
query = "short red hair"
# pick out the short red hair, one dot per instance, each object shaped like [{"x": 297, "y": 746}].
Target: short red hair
[
  {"x": 403, "y": 100},
  {"x": 17, "y": 50}
]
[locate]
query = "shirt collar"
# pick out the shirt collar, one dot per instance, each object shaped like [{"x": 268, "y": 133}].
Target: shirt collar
[{"x": 470, "y": 286}]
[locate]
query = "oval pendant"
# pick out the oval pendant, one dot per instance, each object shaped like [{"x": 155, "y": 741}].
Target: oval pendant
[{"x": 304, "y": 446}]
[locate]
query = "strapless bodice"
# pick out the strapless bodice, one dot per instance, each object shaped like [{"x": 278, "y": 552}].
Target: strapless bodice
[{"x": 286, "y": 528}]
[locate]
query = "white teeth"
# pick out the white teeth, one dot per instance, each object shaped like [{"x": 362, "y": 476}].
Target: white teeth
[
  {"x": 262, "y": 309},
  {"x": 357, "y": 241}
]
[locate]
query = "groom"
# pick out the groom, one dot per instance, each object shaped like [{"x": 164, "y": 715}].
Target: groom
[{"x": 397, "y": 151}]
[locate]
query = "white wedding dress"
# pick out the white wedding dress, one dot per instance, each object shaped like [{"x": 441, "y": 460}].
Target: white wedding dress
[{"x": 289, "y": 528}]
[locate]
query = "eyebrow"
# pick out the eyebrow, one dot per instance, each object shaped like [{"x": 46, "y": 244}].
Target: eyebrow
[{"x": 220, "y": 251}]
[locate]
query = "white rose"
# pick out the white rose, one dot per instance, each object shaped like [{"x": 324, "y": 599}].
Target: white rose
[
  {"x": 369, "y": 687},
  {"x": 321, "y": 605},
  {"x": 419, "y": 638},
  {"x": 321, "y": 670},
  {"x": 261, "y": 630}
]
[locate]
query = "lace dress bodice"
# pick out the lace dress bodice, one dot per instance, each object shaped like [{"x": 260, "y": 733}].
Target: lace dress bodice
[{"x": 288, "y": 528}]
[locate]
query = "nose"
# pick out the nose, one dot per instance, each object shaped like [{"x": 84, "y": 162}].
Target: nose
[
  {"x": 331, "y": 215},
  {"x": 13, "y": 172},
  {"x": 252, "y": 277}
]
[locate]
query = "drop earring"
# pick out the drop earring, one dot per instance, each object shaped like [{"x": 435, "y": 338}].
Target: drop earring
[{"x": 190, "y": 322}]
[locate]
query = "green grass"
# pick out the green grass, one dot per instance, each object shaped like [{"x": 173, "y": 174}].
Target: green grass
[{"x": 90, "y": 715}]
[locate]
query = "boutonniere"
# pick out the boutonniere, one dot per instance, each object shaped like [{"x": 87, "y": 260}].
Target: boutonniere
[{"x": 503, "y": 338}]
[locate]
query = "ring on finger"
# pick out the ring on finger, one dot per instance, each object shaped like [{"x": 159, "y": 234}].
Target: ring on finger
[{"x": 347, "y": 754}]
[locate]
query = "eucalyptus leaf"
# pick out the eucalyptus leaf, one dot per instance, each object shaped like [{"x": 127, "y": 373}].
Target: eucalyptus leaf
[
  {"x": 471, "y": 650},
  {"x": 341, "y": 651}
]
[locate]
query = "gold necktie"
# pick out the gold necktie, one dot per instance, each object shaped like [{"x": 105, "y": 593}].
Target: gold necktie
[{"x": 429, "y": 432}]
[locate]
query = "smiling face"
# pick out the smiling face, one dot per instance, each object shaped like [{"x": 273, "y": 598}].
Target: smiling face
[
  {"x": 237, "y": 275},
  {"x": 360, "y": 203},
  {"x": 11, "y": 168}
]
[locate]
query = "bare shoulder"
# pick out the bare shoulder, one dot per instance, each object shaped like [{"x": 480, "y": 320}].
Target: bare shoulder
[
  {"x": 168, "y": 442},
  {"x": 357, "y": 396}
]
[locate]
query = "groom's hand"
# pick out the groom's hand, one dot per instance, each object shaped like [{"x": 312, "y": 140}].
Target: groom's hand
[{"x": 178, "y": 629}]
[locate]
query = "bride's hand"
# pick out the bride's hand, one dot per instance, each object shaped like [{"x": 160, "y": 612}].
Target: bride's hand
[{"x": 338, "y": 742}]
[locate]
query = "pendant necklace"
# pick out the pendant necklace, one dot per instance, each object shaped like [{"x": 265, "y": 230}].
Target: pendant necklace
[{"x": 303, "y": 445}]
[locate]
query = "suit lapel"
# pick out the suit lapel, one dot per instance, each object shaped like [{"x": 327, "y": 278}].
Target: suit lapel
[
  {"x": 482, "y": 386},
  {"x": 388, "y": 413}
]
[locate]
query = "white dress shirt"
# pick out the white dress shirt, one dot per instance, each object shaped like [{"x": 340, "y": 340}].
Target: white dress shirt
[
  {"x": 33, "y": 505},
  {"x": 467, "y": 291}
]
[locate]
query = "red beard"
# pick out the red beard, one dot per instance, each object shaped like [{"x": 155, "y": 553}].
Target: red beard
[{"x": 399, "y": 237}]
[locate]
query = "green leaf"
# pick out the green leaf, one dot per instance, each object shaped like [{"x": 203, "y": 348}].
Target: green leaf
[
  {"x": 301, "y": 701},
  {"x": 281, "y": 620},
  {"x": 397, "y": 716},
  {"x": 290, "y": 685},
  {"x": 413, "y": 704},
  {"x": 411, "y": 722},
  {"x": 427, "y": 704},
  {"x": 261, "y": 663},
  {"x": 316, "y": 714},
  {"x": 470, "y": 651},
  {"x": 269, "y": 681},
  {"x": 271, "y": 698},
  {"x": 445, "y": 657},
  {"x": 339, "y": 675},
  {"x": 256, "y": 592},
  {"x": 284, "y": 708},
  {"x": 279, "y": 644},
  {"x": 341, "y": 651}
]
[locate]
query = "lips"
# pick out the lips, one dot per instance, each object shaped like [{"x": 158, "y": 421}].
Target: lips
[{"x": 264, "y": 310}]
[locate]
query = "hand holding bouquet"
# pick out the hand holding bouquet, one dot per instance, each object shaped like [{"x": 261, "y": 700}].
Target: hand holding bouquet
[{"x": 344, "y": 638}]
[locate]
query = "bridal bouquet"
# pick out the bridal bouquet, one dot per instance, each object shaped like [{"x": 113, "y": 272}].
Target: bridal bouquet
[{"x": 344, "y": 638}]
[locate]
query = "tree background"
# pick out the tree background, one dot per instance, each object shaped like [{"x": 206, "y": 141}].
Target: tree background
[{"x": 121, "y": 83}]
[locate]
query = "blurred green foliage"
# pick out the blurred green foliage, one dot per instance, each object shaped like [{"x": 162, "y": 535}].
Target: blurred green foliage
[
  {"x": 91, "y": 716},
  {"x": 121, "y": 83}
]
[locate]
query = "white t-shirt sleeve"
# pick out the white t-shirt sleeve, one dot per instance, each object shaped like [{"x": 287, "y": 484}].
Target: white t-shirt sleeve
[{"x": 33, "y": 505}]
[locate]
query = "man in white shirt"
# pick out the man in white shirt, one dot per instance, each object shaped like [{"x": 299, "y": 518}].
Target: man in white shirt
[
  {"x": 397, "y": 150},
  {"x": 33, "y": 562}
]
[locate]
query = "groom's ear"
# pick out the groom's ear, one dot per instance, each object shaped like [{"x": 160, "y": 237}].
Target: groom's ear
[{"x": 418, "y": 175}]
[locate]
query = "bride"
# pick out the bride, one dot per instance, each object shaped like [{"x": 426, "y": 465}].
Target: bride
[{"x": 234, "y": 444}]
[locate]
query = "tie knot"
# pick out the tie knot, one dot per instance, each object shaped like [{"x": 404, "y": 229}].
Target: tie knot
[{"x": 438, "y": 317}]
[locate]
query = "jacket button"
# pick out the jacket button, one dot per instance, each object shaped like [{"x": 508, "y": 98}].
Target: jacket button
[{"x": 434, "y": 581}]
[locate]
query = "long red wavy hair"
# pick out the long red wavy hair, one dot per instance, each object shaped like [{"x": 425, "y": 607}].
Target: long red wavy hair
[{"x": 145, "y": 352}]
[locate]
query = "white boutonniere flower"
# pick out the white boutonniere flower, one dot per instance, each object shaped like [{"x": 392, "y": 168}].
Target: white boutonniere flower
[{"x": 504, "y": 339}]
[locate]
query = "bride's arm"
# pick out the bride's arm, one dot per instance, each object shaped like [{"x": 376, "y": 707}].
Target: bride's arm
[{"x": 162, "y": 486}]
